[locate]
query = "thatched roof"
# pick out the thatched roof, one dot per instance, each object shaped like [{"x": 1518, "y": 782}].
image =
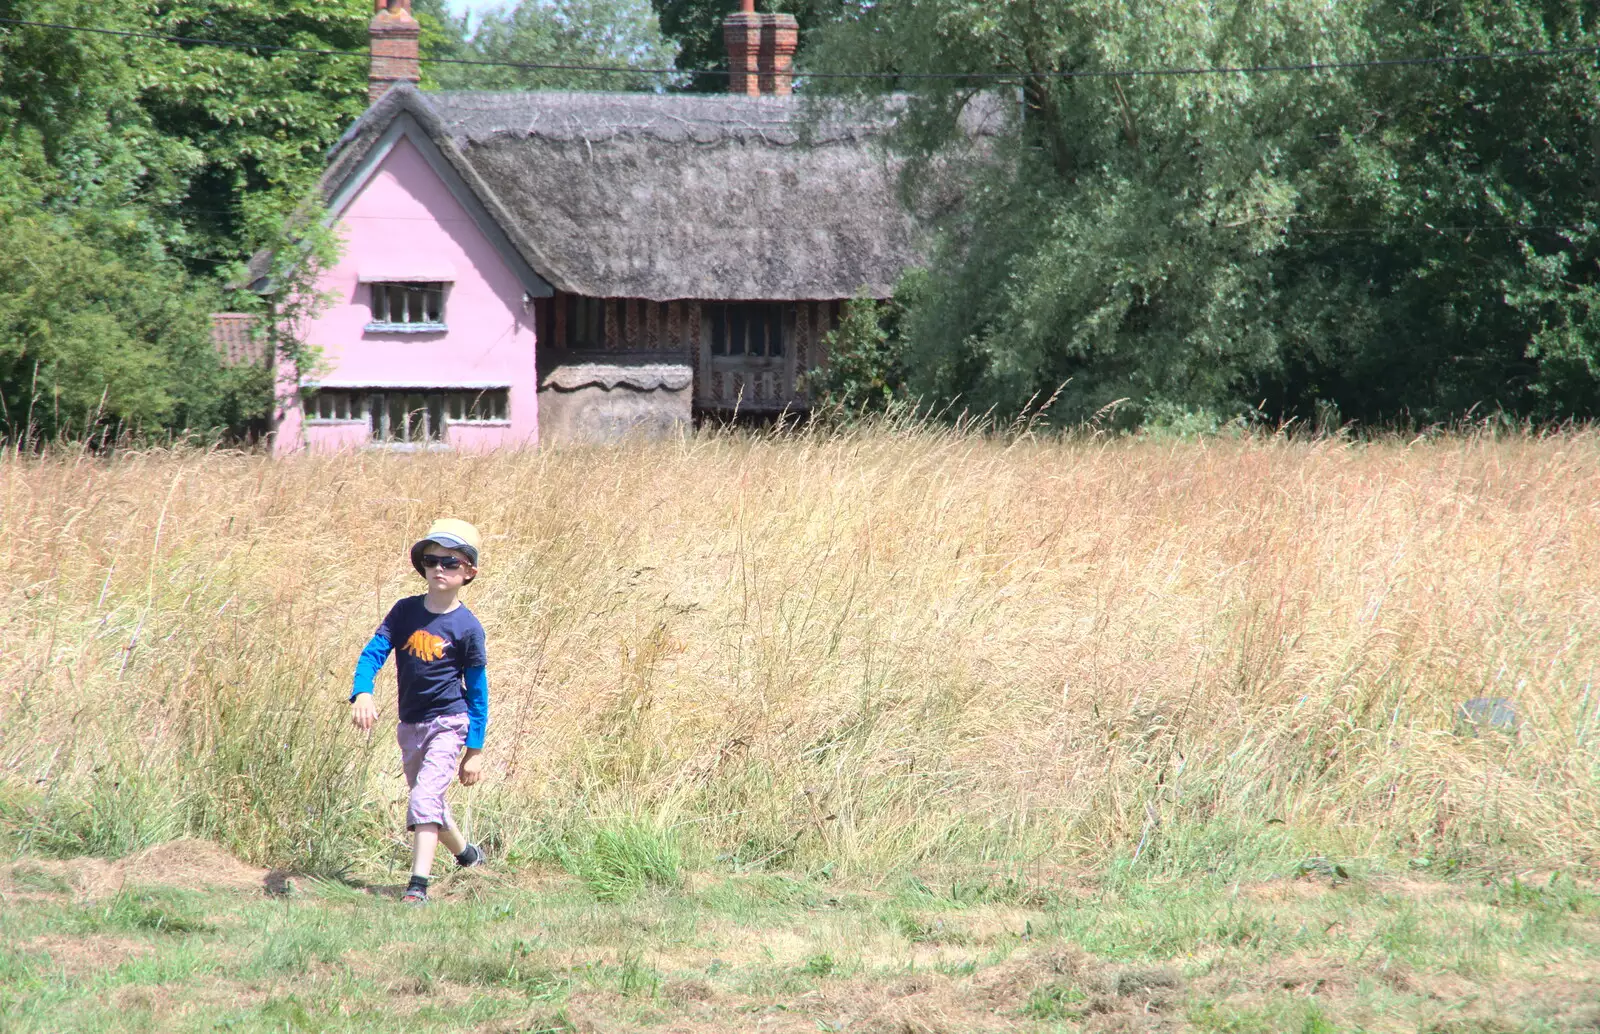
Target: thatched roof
[{"x": 669, "y": 197}]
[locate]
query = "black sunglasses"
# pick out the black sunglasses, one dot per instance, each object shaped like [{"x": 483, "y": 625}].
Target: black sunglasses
[{"x": 449, "y": 563}]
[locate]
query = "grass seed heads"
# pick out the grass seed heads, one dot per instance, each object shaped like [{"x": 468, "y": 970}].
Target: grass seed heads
[{"x": 850, "y": 652}]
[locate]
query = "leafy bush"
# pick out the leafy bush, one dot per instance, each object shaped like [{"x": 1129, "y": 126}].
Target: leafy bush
[{"x": 866, "y": 367}]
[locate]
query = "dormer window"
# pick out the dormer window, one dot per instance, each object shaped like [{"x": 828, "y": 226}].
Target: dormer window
[{"x": 407, "y": 308}]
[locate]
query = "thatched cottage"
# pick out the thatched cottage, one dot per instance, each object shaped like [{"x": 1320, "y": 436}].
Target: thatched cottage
[{"x": 546, "y": 266}]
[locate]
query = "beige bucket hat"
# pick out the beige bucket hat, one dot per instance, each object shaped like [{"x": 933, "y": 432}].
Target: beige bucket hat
[{"x": 451, "y": 534}]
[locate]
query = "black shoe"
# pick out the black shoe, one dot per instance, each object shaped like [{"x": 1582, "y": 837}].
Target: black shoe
[{"x": 473, "y": 855}]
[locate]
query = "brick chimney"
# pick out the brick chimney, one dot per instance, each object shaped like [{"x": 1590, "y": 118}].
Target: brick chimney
[
  {"x": 780, "y": 35},
  {"x": 760, "y": 51},
  {"x": 394, "y": 36}
]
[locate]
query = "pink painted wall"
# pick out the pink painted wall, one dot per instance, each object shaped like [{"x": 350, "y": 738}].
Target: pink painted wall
[{"x": 406, "y": 222}]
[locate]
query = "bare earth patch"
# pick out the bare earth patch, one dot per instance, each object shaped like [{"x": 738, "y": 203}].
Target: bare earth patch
[
  {"x": 185, "y": 864},
  {"x": 192, "y": 865}
]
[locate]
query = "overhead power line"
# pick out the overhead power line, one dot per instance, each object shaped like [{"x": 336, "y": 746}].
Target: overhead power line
[{"x": 1123, "y": 73}]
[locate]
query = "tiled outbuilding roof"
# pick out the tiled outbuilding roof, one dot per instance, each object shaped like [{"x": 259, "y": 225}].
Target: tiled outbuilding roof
[{"x": 235, "y": 336}]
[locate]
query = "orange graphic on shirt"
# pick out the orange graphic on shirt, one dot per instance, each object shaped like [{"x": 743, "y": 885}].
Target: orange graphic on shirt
[{"x": 425, "y": 646}]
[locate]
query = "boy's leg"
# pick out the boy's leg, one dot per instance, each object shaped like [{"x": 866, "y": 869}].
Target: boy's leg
[
  {"x": 425, "y": 840},
  {"x": 452, "y": 839},
  {"x": 430, "y": 752}
]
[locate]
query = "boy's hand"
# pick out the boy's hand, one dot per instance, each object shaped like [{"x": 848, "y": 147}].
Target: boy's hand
[
  {"x": 471, "y": 766},
  {"x": 363, "y": 712}
]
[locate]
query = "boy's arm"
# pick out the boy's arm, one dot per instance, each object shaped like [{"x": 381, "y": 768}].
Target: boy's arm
[
  {"x": 362, "y": 711},
  {"x": 373, "y": 655},
  {"x": 477, "y": 693}
]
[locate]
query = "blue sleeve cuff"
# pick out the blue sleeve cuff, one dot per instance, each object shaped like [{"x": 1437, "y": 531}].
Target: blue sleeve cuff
[
  {"x": 372, "y": 657},
  {"x": 477, "y": 694}
]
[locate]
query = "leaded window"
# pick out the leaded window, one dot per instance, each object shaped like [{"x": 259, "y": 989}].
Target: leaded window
[
  {"x": 414, "y": 416},
  {"x": 748, "y": 329},
  {"x": 417, "y": 306}
]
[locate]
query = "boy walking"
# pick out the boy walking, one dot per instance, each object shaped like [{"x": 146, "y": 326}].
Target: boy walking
[{"x": 444, "y": 693}]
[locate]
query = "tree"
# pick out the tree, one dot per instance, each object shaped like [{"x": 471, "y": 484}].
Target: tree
[
  {"x": 865, "y": 372},
  {"x": 1458, "y": 207},
  {"x": 1206, "y": 242},
  {"x": 696, "y": 27},
  {"x": 214, "y": 134},
  {"x": 444, "y": 37},
  {"x": 261, "y": 120},
  {"x": 611, "y": 33},
  {"x": 133, "y": 172},
  {"x": 93, "y": 340}
]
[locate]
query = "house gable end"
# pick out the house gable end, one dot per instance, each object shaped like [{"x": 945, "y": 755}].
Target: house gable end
[{"x": 343, "y": 193}]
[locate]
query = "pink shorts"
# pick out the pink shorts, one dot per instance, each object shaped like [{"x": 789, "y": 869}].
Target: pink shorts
[{"x": 430, "y": 752}]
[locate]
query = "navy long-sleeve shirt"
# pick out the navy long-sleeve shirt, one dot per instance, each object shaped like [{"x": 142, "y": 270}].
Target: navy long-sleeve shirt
[{"x": 441, "y": 666}]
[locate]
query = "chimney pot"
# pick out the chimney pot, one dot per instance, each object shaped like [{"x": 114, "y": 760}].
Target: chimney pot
[{"x": 395, "y": 41}]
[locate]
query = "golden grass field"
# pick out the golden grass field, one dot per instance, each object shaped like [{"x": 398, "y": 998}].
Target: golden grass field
[
  {"x": 871, "y": 649},
  {"x": 896, "y": 731}
]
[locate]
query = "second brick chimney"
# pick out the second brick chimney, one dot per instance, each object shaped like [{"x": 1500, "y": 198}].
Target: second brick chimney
[
  {"x": 760, "y": 51},
  {"x": 394, "y": 37}
]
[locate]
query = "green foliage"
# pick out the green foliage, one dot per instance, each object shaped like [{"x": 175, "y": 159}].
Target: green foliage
[
  {"x": 1561, "y": 895},
  {"x": 291, "y": 300},
  {"x": 819, "y": 965},
  {"x": 1281, "y": 1016},
  {"x": 260, "y": 122},
  {"x": 611, "y": 33},
  {"x": 696, "y": 27},
  {"x": 120, "y": 810},
  {"x": 1058, "y": 1001},
  {"x": 133, "y": 174},
  {"x": 866, "y": 355},
  {"x": 444, "y": 38},
  {"x": 271, "y": 783},
  {"x": 89, "y": 338},
  {"x": 201, "y": 140},
  {"x": 1217, "y": 243}
]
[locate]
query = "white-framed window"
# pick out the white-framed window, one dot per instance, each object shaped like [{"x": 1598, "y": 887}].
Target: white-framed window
[
  {"x": 414, "y": 416},
  {"x": 337, "y": 407},
  {"x": 480, "y": 407},
  {"x": 407, "y": 307}
]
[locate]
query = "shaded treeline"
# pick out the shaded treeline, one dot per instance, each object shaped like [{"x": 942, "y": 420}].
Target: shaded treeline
[{"x": 1397, "y": 244}]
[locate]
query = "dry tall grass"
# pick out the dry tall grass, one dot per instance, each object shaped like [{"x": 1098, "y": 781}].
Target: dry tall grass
[{"x": 874, "y": 649}]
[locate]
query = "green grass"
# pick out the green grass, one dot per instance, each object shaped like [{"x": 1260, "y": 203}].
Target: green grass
[
  {"x": 721, "y": 951},
  {"x": 136, "y": 910},
  {"x": 1062, "y": 1001},
  {"x": 619, "y": 861},
  {"x": 1281, "y": 1017}
]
